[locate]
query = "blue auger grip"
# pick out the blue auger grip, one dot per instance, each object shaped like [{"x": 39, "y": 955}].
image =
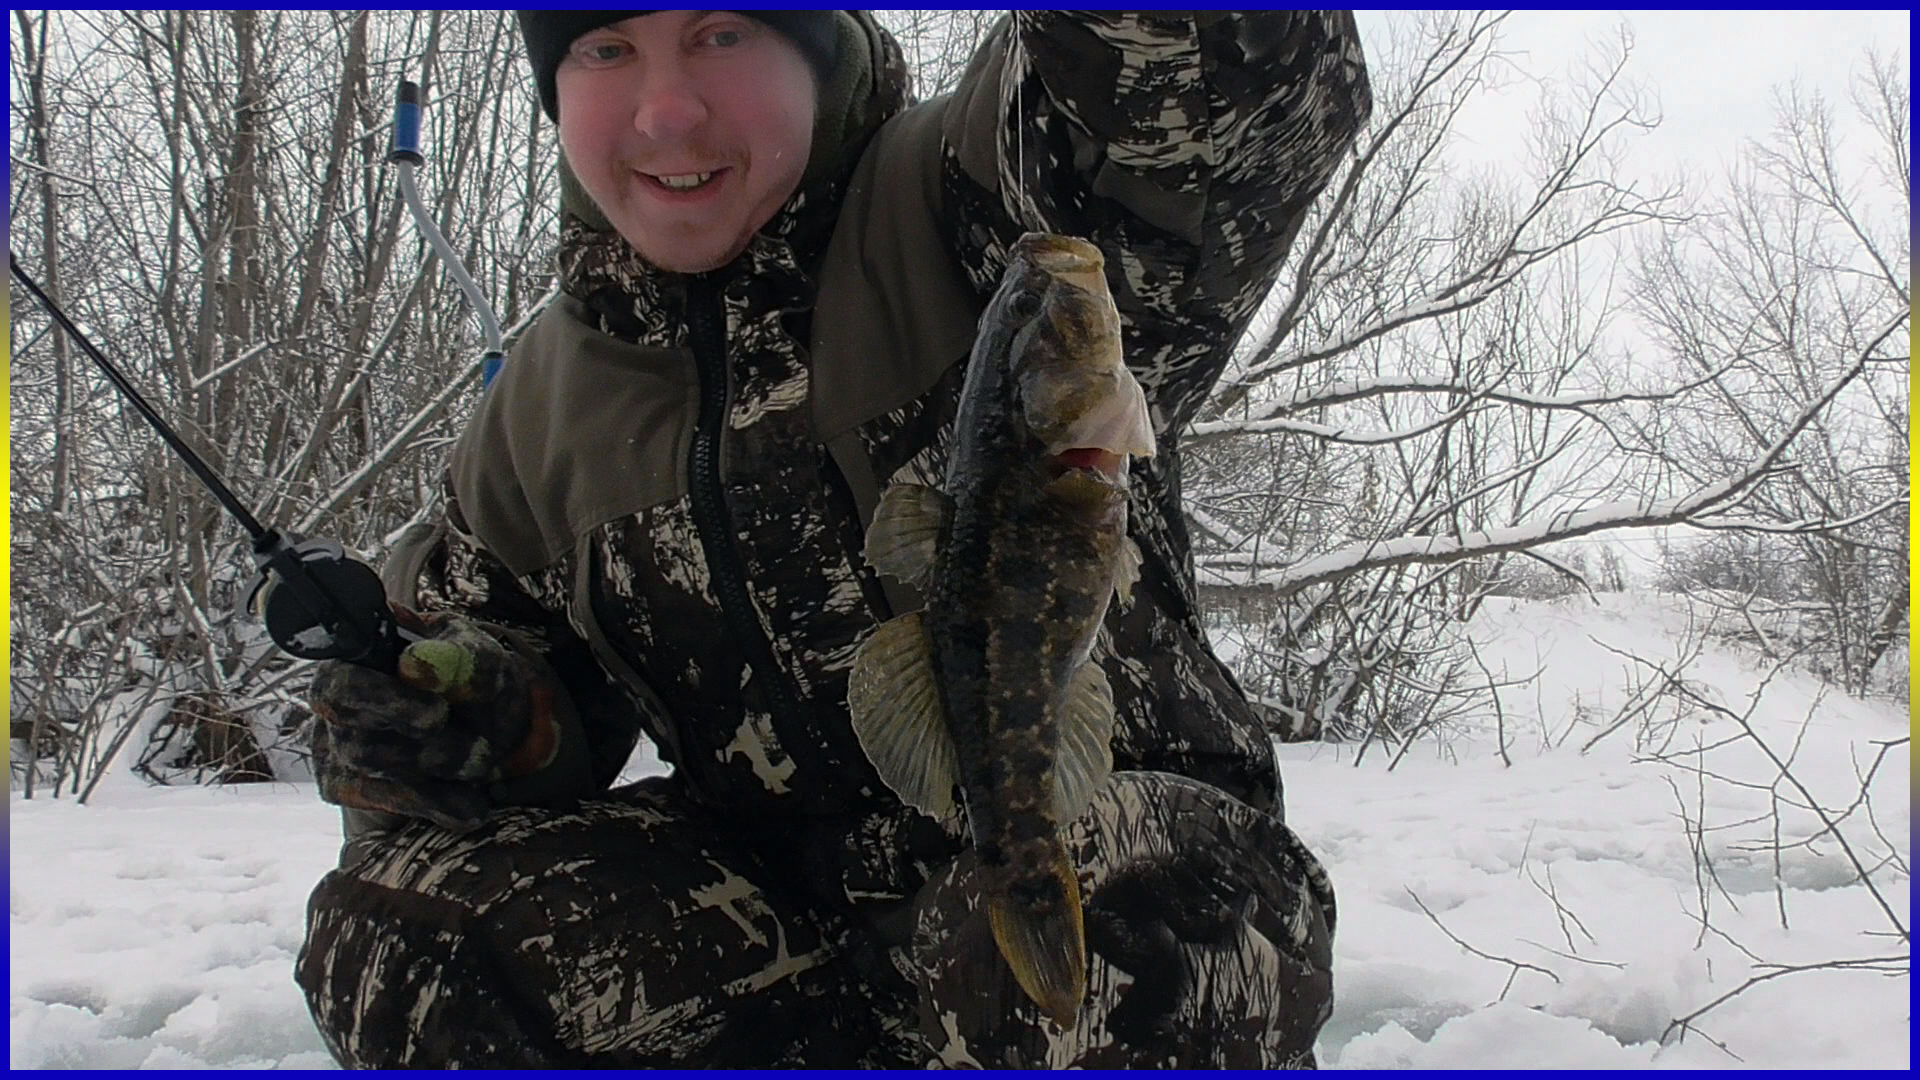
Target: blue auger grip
[{"x": 406, "y": 124}]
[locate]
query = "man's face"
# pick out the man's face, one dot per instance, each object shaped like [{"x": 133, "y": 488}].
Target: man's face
[{"x": 690, "y": 129}]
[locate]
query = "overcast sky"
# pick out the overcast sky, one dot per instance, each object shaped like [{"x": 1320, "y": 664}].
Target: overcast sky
[
  {"x": 1712, "y": 71},
  {"x": 1709, "y": 75}
]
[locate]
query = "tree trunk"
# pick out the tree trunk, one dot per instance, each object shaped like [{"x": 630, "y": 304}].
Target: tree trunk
[{"x": 34, "y": 53}]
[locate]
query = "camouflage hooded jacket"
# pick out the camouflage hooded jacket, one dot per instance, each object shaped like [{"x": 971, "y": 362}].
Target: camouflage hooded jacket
[{"x": 669, "y": 482}]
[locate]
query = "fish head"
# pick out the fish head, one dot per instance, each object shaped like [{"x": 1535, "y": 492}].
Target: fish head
[{"x": 1070, "y": 384}]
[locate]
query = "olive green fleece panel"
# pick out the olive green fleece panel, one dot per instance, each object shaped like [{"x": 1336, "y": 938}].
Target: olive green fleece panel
[
  {"x": 600, "y": 429},
  {"x": 895, "y": 310},
  {"x": 844, "y": 113},
  {"x": 843, "y": 116},
  {"x": 605, "y": 426}
]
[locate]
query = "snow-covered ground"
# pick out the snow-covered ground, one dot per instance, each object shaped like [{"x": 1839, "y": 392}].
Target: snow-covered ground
[{"x": 157, "y": 928}]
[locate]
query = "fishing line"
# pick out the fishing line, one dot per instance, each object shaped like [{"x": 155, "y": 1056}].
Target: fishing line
[{"x": 1020, "y": 122}]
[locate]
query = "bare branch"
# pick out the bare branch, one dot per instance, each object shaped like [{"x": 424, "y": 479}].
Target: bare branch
[
  {"x": 1517, "y": 965},
  {"x": 1373, "y": 555},
  {"x": 1901, "y": 965}
]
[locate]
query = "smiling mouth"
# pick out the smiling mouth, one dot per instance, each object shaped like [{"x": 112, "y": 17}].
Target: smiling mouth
[{"x": 680, "y": 183}]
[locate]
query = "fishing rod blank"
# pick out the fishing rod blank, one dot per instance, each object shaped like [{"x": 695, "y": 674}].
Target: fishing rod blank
[
  {"x": 406, "y": 156},
  {"x": 332, "y": 607}
]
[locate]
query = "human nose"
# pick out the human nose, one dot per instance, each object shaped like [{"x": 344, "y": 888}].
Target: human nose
[{"x": 670, "y": 106}]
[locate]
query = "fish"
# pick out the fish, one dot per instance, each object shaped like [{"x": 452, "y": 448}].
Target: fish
[{"x": 989, "y": 689}]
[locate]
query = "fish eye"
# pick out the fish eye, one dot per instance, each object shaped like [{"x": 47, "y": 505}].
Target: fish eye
[{"x": 1024, "y": 304}]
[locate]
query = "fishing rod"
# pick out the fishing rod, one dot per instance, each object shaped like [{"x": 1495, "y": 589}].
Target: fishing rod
[
  {"x": 316, "y": 601},
  {"x": 405, "y": 156}
]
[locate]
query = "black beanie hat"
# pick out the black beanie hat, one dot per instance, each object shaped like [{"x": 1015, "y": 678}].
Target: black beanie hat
[{"x": 550, "y": 33}]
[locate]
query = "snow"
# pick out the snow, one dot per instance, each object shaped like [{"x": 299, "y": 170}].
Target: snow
[
  {"x": 1480, "y": 844},
  {"x": 157, "y": 928}
]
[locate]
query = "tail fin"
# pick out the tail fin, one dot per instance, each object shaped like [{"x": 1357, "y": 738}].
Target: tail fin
[{"x": 1046, "y": 949}]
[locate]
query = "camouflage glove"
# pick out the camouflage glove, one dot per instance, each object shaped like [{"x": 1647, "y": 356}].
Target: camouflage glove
[
  {"x": 472, "y": 706},
  {"x": 1142, "y": 915}
]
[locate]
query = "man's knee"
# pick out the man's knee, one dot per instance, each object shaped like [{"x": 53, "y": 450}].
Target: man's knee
[
  {"x": 401, "y": 967},
  {"x": 614, "y": 933},
  {"x": 1205, "y": 854}
]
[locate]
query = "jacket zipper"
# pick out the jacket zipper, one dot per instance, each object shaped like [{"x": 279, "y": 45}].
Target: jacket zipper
[{"x": 711, "y": 518}]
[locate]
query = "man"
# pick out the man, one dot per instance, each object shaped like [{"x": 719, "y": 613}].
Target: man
[{"x": 772, "y": 268}]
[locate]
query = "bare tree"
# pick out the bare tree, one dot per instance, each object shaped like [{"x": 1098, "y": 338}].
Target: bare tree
[
  {"x": 214, "y": 209},
  {"x": 1428, "y": 393},
  {"x": 937, "y": 44},
  {"x": 1795, "y": 286},
  {"x": 1437, "y": 388}
]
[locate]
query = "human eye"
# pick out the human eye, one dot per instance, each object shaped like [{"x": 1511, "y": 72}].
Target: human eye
[
  {"x": 599, "y": 51},
  {"x": 723, "y": 35}
]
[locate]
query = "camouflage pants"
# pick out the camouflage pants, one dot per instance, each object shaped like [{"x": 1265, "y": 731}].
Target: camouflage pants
[{"x": 630, "y": 932}]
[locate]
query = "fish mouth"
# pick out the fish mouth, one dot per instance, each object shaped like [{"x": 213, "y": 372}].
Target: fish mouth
[
  {"x": 1060, "y": 254},
  {"x": 1068, "y": 260},
  {"x": 1105, "y": 465}
]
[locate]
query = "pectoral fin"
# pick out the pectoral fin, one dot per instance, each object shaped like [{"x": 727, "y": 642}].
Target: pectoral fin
[
  {"x": 1085, "y": 757},
  {"x": 906, "y": 531},
  {"x": 895, "y": 707},
  {"x": 1127, "y": 573}
]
